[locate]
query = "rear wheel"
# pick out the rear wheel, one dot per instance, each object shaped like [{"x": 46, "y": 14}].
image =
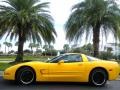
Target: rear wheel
[
  {"x": 98, "y": 77},
  {"x": 25, "y": 76}
]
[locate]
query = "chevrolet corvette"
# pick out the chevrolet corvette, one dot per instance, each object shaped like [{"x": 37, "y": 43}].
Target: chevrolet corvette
[{"x": 71, "y": 67}]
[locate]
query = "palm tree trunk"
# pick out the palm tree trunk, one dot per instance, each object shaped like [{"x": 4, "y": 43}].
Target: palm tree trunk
[
  {"x": 51, "y": 51},
  {"x": 20, "y": 51},
  {"x": 5, "y": 49},
  {"x": 96, "y": 34},
  {"x": 19, "y": 57},
  {"x": 8, "y": 50},
  {"x": 31, "y": 50},
  {"x": 45, "y": 52}
]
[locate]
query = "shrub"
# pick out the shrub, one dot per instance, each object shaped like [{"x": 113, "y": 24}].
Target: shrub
[
  {"x": 106, "y": 55},
  {"x": 49, "y": 53},
  {"x": 39, "y": 51}
]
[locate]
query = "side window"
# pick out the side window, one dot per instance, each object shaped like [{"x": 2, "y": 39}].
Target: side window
[
  {"x": 65, "y": 57},
  {"x": 68, "y": 58},
  {"x": 72, "y": 58}
]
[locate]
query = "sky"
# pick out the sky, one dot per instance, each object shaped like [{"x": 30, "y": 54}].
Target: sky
[{"x": 60, "y": 11}]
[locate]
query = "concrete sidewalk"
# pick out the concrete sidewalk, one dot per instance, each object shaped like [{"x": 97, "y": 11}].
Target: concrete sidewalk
[
  {"x": 6, "y": 61},
  {"x": 118, "y": 77},
  {"x": 1, "y": 73}
]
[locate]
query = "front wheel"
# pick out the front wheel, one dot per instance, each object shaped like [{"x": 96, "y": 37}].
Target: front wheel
[
  {"x": 98, "y": 77},
  {"x": 25, "y": 76}
]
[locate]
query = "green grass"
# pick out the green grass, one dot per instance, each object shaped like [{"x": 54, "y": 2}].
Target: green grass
[
  {"x": 39, "y": 58},
  {"x": 4, "y": 65},
  {"x": 12, "y": 58}
]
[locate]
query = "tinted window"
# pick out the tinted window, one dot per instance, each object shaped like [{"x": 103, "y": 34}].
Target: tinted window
[
  {"x": 55, "y": 59},
  {"x": 69, "y": 58}
]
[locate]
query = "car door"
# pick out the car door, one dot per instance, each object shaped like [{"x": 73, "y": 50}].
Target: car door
[{"x": 70, "y": 70}]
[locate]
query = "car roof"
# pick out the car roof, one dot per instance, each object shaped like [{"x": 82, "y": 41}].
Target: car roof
[{"x": 70, "y": 53}]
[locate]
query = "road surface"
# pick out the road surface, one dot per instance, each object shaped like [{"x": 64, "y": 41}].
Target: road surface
[{"x": 9, "y": 85}]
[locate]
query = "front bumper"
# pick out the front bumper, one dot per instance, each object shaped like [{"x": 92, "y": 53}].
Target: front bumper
[{"x": 8, "y": 75}]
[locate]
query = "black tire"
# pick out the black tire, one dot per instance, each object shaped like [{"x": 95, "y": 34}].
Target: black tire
[
  {"x": 98, "y": 77},
  {"x": 25, "y": 76}
]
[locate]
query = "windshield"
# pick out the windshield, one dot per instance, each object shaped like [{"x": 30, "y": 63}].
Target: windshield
[{"x": 92, "y": 58}]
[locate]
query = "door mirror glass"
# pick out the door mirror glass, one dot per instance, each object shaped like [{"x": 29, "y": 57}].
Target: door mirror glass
[{"x": 61, "y": 61}]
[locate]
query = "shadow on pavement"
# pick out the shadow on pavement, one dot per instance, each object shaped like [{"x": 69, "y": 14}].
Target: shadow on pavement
[{"x": 11, "y": 85}]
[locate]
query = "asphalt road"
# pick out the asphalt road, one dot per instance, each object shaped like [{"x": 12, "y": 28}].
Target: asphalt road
[{"x": 9, "y": 85}]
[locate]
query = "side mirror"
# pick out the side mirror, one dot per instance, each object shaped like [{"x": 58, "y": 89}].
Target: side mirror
[{"x": 61, "y": 61}]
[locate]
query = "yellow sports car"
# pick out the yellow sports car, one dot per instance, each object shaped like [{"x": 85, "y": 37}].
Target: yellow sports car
[{"x": 72, "y": 67}]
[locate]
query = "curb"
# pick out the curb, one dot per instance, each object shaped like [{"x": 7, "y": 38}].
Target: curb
[
  {"x": 1, "y": 73},
  {"x": 118, "y": 78},
  {"x": 5, "y": 61}
]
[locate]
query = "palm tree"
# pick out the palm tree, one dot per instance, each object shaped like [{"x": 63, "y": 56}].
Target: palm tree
[
  {"x": 31, "y": 46},
  {"x": 98, "y": 16},
  {"x": 9, "y": 45},
  {"x": 66, "y": 47},
  {"x": 5, "y": 43},
  {"x": 16, "y": 44},
  {"x": 46, "y": 48},
  {"x": 27, "y": 20},
  {"x": 0, "y": 46},
  {"x": 37, "y": 46},
  {"x": 34, "y": 45},
  {"x": 51, "y": 47}
]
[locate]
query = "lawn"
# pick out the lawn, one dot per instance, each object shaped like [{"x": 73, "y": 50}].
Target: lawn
[
  {"x": 12, "y": 58},
  {"x": 4, "y": 65}
]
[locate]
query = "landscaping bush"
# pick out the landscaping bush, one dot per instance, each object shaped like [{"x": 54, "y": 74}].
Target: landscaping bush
[
  {"x": 1, "y": 52},
  {"x": 27, "y": 51},
  {"x": 75, "y": 50},
  {"x": 106, "y": 55},
  {"x": 50, "y": 53},
  {"x": 117, "y": 57},
  {"x": 39, "y": 51}
]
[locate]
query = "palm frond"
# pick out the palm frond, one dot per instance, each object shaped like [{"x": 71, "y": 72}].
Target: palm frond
[
  {"x": 31, "y": 17},
  {"x": 87, "y": 14}
]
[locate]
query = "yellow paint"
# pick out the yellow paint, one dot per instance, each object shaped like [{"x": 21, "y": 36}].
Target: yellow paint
[
  {"x": 119, "y": 68},
  {"x": 73, "y": 72}
]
